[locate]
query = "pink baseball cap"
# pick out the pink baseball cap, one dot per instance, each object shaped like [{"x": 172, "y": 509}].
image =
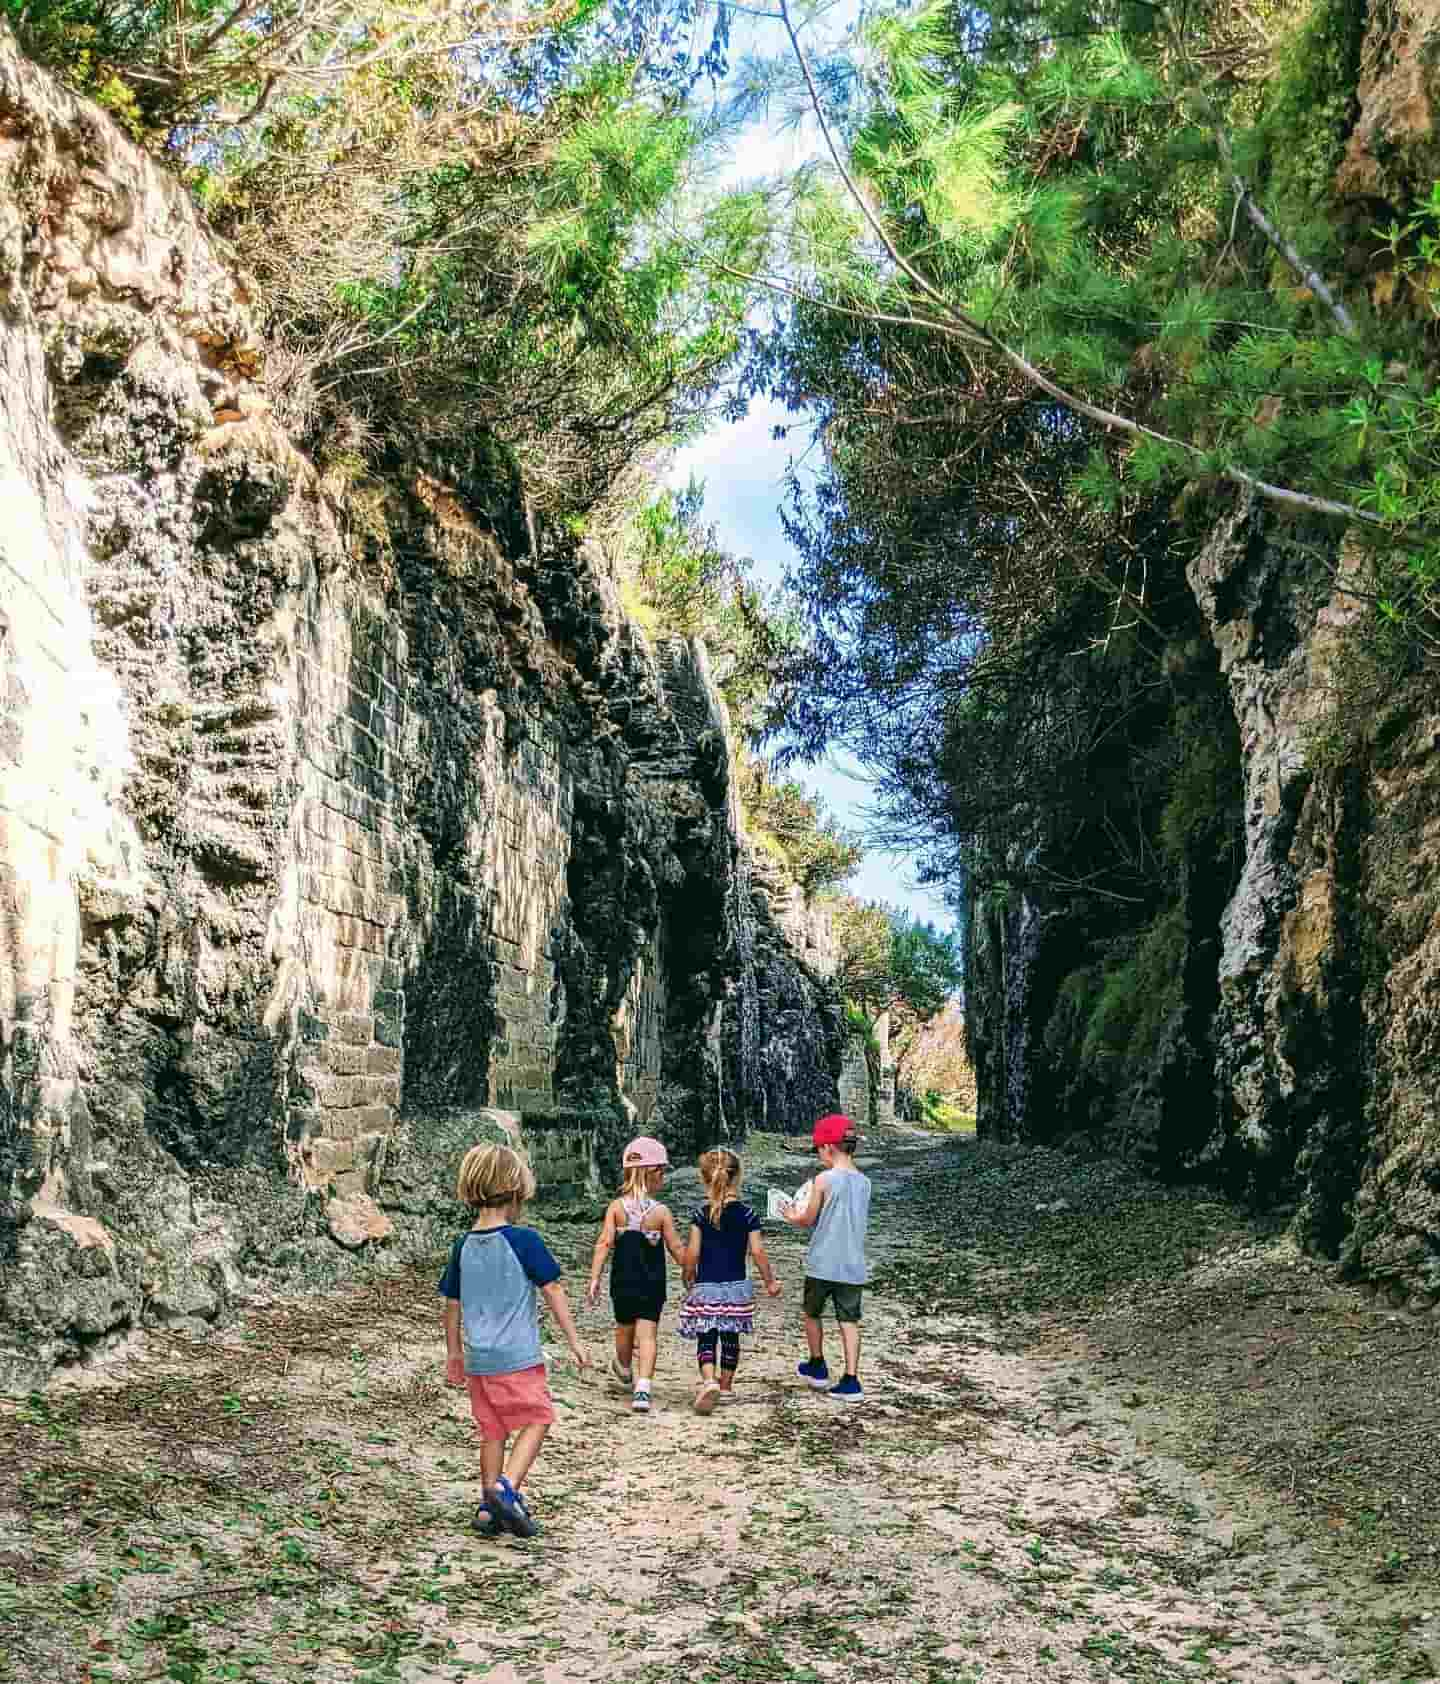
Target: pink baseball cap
[
  {"x": 831, "y": 1130},
  {"x": 645, "y": 1153}
]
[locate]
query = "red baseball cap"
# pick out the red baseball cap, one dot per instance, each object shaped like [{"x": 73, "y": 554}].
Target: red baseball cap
[{"x": 831, "y": 1130}]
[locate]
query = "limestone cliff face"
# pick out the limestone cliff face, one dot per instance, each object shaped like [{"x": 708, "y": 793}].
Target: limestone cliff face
[
  {"x": 338, "y": 825},
  {"x": 1326, "y": 1036},
  {"x": 1300, "y": 1057}
]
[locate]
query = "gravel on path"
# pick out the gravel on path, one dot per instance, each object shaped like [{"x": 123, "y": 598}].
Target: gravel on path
[{"x": 290, "y": 1500}]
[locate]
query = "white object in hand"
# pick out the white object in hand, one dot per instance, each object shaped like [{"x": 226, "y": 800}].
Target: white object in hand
[{"x": 780, "y": 1204}]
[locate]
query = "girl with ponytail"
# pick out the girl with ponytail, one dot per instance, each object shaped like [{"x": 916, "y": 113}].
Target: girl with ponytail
[{"x": 720, "y": 1306}]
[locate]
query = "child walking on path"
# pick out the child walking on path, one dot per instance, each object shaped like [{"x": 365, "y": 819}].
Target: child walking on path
[
  {"x": 720, "y": 1305},
  {"x": 492, "y": 1331},
  {"x": 636, "y": 1228},
  {"x": 838, "y": 1210}
]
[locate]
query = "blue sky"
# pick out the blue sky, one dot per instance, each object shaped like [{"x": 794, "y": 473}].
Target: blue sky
[{"x": 743, "y": 468}]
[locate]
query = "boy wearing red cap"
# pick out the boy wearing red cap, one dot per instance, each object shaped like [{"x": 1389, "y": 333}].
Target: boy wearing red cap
[{"x": 838, "y": 1210}]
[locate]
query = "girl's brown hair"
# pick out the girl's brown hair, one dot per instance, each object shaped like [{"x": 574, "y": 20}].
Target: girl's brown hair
[
  {"x": 641, "y": 1180},
  {"x": 720, "y": 1171},
  {"x": 492, "y": 1177}
]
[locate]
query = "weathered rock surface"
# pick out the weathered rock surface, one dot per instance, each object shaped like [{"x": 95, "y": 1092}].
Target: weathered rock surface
[
  {"x": 1393, "y": 152},
  {"x": 339, "y": 828},
  {"x": 1300, "y": 1060},
  {"x": 1326, "y": 1037}
]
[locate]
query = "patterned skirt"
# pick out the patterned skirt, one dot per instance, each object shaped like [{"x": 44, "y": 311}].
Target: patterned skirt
[{"x": 718, "y": 1307}]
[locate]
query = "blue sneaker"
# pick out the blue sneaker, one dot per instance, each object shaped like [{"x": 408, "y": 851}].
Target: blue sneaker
[
  {"x": 508, "y": 1507},
  {"x": 814, "y": 1373},
  {"x": 848, "y": 1390}
]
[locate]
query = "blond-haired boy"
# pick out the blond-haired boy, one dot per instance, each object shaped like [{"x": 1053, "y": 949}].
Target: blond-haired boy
[{"x": 492, "y": 1330}]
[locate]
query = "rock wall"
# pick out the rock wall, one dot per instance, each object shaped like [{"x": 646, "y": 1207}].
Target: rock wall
[
  {"x": 1299, "y": 1059},
  {"x": 1326, "y": 1034},
  {"x": 340, "y": 826}
]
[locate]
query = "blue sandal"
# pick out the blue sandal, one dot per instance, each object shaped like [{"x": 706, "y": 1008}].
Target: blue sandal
[
  {"x": 489, "y": 1526},
  {"x": 508, "y": 1506}
]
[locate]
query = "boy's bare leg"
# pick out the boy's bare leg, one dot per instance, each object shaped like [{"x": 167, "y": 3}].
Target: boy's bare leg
[
  {"x": 492, "y": 1459},
  {"x": 625, "y": 1345},
  {"x": 815, "y": 1339},
  {"x": 707, "y": 1373},
  {"x": 646, "y": 1349},
  {"x": 524, "y": 1450},
  {"x": 850, "y": 1339}
]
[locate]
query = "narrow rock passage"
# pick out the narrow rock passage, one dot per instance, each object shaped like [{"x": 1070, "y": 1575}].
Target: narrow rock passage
[{"x": 291, "y": 1501}]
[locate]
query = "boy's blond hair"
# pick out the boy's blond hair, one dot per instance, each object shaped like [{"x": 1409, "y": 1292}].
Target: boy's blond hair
[
  {"x": 494, "y": 1176},
  {"x": 641, "y": 1180}
]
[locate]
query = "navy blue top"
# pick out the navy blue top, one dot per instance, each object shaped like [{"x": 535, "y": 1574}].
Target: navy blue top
[
  {"x": 722, "y": 1249},
  {"x": 494, "y": 1272}
]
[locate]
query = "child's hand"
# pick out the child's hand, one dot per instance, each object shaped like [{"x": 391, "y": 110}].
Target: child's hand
[
  {"x": 454, "y": 1371},
  {"x": 592, "y": 1296},
  {"x": 583, "y": 1359},
  {"x": 774, "y": 1288}
]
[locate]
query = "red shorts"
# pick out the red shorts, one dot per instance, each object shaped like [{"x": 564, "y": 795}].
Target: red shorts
[{"x": 503, "y": 1403}]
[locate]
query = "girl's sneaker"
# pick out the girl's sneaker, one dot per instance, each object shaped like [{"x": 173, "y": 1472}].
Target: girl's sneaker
[
  {"x": 707, "y": 1397},
  {"x": 814, "y": 1373},
  {"x": 641, "y": 1401},
  {"x": 508, "y": 1506},
  {"x": 847, "y": 1390}
]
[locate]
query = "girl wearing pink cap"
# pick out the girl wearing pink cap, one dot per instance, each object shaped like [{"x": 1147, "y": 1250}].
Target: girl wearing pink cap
[{"x": 635, "y": 1228}]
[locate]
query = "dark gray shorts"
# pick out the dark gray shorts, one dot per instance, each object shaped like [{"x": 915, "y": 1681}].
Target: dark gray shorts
[{"x": 846, "y": 1298}]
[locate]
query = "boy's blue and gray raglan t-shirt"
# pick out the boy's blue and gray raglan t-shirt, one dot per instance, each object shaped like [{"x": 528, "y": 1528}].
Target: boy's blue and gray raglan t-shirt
[
  {"x": 495, "y": 1272},
  {"x": 837, "y": 1250}
]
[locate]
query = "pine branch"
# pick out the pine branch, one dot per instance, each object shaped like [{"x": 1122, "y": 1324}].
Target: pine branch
[
  {"x": 1307, "y": 276},
  {"x": 964, "y": 326}
]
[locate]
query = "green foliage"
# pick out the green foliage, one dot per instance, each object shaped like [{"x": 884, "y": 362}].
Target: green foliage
[
  {"x": 891, "y": 962},
  {"x": 817, "y": 852},
  {"x": 435, "y": 261},
  {"x": 684, "y": 583},
  {"x": 191, "y": 75},
  {"x": 1200, "y": 821},
  {"x": 1135, "y": 998},
  {"x": 448, "y": 246},
  {"x": 1310, "y": 105},
  {"x": 84, "y": 42},
  {"x": 938, "y": 1112},
  {"x": 1067, "y": 178},
  {"x": 860, "y": 1026},
  {"x": 864, "y": 934}
]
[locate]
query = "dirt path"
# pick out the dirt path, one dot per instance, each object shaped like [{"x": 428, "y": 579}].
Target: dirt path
[{"x": 291, "y": 1502}]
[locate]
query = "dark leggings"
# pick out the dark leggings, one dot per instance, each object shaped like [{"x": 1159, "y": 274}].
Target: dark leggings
[{"x": 729, "y": 1350}]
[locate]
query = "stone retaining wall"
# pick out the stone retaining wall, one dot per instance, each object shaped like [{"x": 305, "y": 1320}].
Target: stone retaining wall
[{"x": 337, "y": 829}]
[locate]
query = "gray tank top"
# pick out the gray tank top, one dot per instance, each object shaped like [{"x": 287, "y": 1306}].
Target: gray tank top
[{"x": 837, "y": 1251}]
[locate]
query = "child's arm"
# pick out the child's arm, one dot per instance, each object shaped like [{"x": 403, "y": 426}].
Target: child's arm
[
  {"x": 808, "y": 1217},
  {"x": 762, "y": 1262},
  {"x": 603, "y": 1246},
  {"x": 671, "y": 1235},
  {"x": 691, "y": 1262},
  {"x": 554, "y": 1296},
  {"x": 454, "y": 1354}
]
